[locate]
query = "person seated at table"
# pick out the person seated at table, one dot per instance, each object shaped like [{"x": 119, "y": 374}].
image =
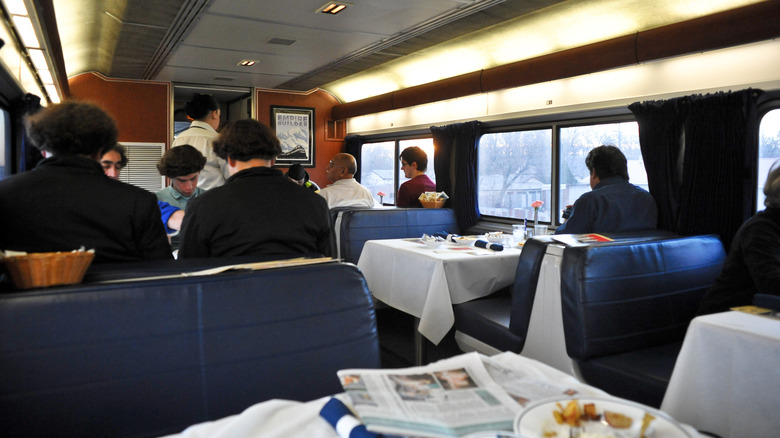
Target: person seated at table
[
  {"x": 345, "y": 191},
  {"x": 613, "y": 204},
  {"x": 113, "y": 160},
  {"x": 257, "y": 211},
  {"x": 414, "y": 163},
  {"x": 182, "y": 165},
  {"x": 67, "y": 202},
  {"x": 300, "y": 176},
  {"x": 753, "y": 262}
]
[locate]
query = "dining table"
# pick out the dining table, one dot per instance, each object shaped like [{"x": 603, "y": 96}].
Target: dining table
[
  {"x": 426, "y": 282},
  {"x": 727, "y": 376},
  {"x": 292, "y": 419}
]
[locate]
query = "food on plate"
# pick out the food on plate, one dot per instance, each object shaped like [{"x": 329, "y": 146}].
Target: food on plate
[
  {"x": 648, "y": 418},
  {"x": 588, "y": 422},
  {"x": 617, "y": 420}
]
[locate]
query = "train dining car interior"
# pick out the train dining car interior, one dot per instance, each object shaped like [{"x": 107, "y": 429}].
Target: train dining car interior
[{"x": 507, "y": 99}]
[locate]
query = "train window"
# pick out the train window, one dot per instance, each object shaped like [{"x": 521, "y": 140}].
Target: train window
[
  {"x": 768, "y": 150},
  {"x": 5, "y": 134},
  {"x": 377, "y": 169},
  {"x": 514, "y": 169},
  {"x": 379, "y": 165},
  {"x": 577, "y": 141}
]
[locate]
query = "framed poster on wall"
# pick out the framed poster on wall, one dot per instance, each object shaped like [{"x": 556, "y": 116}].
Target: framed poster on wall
[{"x": 295, "y": 128}]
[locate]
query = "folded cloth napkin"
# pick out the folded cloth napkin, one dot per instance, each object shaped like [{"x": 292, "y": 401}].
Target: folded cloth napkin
[
  {"x": 488, "y": 245},
  {"x": 341, "y": 418}
]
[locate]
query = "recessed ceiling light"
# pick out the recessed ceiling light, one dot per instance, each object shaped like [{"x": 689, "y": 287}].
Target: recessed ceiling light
[
  {"x": 333, "y": 8},
  {"x": 247, "y": 63}
]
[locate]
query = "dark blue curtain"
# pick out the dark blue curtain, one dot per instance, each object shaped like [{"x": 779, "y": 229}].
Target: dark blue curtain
[
  {"x": 455, "y": 164},
  {"x": 700, "y": 154},
  {"x": 353, "y": 145},
  {"x": 660, "y": 130}
]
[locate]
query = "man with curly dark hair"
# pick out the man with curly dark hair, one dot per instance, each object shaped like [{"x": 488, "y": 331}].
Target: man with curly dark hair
[
  {"x": 114, "y": 159},
  {"x": 182, "y": 165},
  {"x": 258, "y": 211},
  {"x": 67, "y": 202}
]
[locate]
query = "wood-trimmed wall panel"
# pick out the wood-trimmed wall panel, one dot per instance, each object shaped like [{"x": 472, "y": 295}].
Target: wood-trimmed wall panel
[{"x": 753, "y": 23}]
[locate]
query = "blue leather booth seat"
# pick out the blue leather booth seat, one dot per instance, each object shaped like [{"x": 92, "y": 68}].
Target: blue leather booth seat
[
  {"x": 501, "y": 320},
  {"x": 354, "y": 226},
  {"x": 146, "y": 358},
  {"x": 626, "y": 307}
]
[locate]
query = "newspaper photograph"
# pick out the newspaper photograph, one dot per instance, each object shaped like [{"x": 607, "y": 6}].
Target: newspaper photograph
[{"x": 449, "y": 398}]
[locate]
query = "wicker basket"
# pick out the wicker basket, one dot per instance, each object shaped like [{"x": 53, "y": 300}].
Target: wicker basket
[
  {"x": 439, "y": 203},
  {"x": 48, "y": 268}
]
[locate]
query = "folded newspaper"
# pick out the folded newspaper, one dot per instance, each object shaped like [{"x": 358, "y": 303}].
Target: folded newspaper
[{"x": 449, "y": 398}]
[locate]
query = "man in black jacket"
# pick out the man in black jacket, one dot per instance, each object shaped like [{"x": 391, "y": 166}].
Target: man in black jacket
[
  {"x": 258, "y": 211},
  {"x": 67, "y": 201}
]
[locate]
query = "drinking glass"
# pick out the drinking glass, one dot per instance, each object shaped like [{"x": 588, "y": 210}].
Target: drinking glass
[{"x": 518, "y": 232}]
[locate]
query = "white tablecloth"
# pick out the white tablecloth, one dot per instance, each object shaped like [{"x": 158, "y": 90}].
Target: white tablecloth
[
  {"x": 426, "y": 282},
  {"x": 727, "y": 376}
]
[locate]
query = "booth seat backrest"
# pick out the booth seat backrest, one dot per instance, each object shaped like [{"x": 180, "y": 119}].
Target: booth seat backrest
[
  {"x": 624, "y": 296},
  {"x": 147, "y": 358},
  {"x": 526, "y": 277},
  {"x": 529, "y": 267},
  {"x": 354, "y": 226}
]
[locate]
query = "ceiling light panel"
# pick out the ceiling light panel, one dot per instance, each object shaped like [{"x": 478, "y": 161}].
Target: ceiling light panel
[
  {"x": 26, "y": 31},
  {"x": 333, "y": 8},
  {"x": 15, "y": 7}
]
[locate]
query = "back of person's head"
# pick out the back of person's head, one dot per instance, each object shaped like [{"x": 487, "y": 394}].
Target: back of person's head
[
  {"x": 607, "y": 161},
  {"x": 181, "y": 161},
  {"x": 298, "y": 173},
  {"x": 246, "y": 139},
  {"x": 415, "y": 154},
  {"x": 72, "y": 128},
  {"x": 347, "y": 161},
  {"x": 772, "y": 186},
  {"x": 201, "y": 105}
]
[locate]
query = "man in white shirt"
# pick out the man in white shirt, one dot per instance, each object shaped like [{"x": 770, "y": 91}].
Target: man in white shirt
[
  {"x": 344, "y": 190},
  {"x": 204, "y": 111}
]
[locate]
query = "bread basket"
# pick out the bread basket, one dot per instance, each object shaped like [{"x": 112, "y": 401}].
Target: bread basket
[
  {"x": 45, "y": 269},
  {"x": 439, "y": 203}
]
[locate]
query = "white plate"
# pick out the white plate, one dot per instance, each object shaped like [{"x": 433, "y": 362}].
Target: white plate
[
  {"x": 465, "y": 241},
  {"x": 495, "y": 238},
  {"x": 538, "y": 418}
]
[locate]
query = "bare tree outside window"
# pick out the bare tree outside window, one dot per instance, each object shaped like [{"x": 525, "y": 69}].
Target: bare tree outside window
[{"x": 514, "y": 170}]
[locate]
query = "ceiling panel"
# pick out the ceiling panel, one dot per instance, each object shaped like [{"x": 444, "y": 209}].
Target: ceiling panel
[{"x": 196, "y": 41}]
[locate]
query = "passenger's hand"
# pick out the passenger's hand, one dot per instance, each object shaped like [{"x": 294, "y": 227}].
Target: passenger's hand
[{"x": 174, "y": 221}]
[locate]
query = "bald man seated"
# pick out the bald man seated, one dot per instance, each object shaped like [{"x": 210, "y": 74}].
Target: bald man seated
[{"x": 345, "y": 191}]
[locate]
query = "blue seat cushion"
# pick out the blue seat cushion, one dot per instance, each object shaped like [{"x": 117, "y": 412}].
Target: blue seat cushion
[
  {"x": 488, "y": 320},
  {"x": 639, "y": 375}
]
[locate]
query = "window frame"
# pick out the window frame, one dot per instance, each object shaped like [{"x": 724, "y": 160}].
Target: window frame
[
  {"x": 554, "y": 122},
  {"x": 767, "y": 103},
  {"x": 769, "y": 100}
]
